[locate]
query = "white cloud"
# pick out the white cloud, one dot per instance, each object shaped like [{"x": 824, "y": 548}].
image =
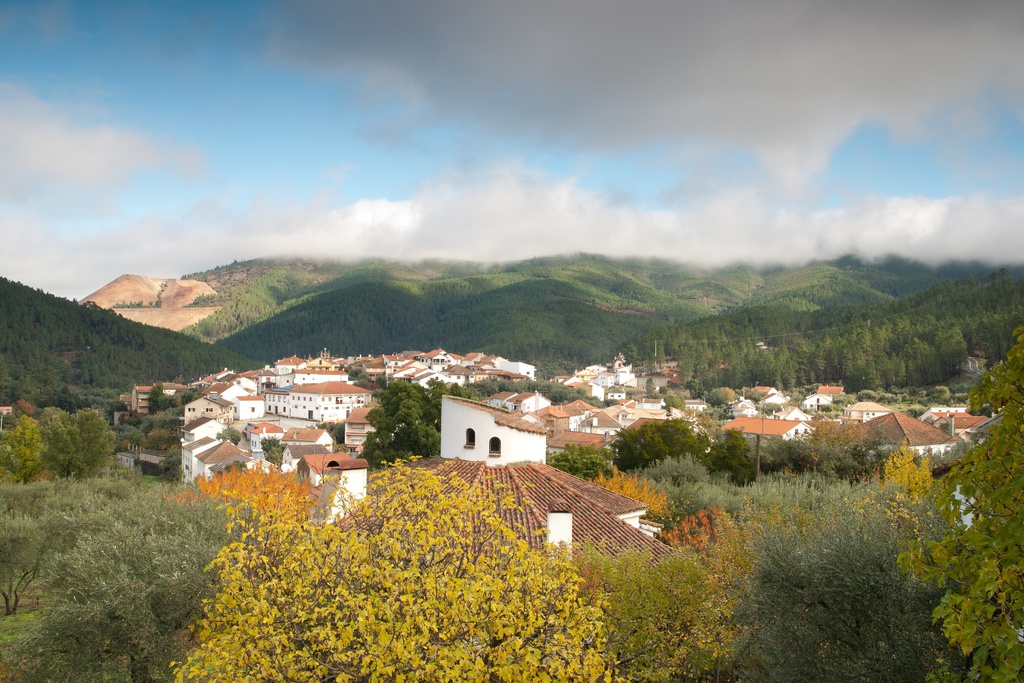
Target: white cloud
[
  {"x": 46, "y": 150},
  {"x": 513, "y": 213},
  {"x": 787, "y": 79}
]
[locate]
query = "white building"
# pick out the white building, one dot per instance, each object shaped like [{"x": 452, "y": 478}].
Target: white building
[
  {"x": 517, "y": 367},
  {"x": 257, "y": 432},
  {"x": 249, "y": 407},
  {"x": 863, "y": 411},
  {"x": 197, "y": 429},
  {"x": 476, "y": 431},
  {"x": 319, "y": 376},
  {"x": 325, "y": 402},
  {"x": 816, "y": 402}
]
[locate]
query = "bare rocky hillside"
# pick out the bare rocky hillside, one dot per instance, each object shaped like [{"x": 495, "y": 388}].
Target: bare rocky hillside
[{"x": 160, "y": 302}]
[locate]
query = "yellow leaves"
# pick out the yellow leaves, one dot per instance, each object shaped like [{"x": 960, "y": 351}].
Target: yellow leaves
[
  {"x": 905, "y": 469},
  {"x": 260, "y": 494},
  {"x": 423, "y": 582},
  {"x": 637, "y": 488}
]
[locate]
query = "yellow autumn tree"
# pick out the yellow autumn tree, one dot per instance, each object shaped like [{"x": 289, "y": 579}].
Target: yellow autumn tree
[
  {"x": 905, "y": 469},
  {"x": 266, "y": 494},
  {"x": 638, "y": 488},
  {"x": 422, "y": 581},
  {"x": 673, "y": 619}
]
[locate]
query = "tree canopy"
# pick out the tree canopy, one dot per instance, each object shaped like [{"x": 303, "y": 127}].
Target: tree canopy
[
  {"x": 652, "y": 442},
  {"x": 75, "y": 445},
  {"x": 407, "y": 421},
  {"x": 979, "y": 560},
  {"x": 422, "y": 581}
]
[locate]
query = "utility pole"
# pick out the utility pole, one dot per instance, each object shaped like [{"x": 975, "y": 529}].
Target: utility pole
[{"x": 757, "y": 451}]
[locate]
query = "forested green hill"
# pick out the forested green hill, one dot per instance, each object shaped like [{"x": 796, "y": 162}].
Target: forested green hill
[
  {"x": 48, "y": 343},
  {"x": 561, "y": 309},
  {"x": 922, "y": 339}
]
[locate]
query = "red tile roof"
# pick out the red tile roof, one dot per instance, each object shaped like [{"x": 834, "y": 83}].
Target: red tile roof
[
  {"x": 830, "y": 389},
  {"x": 306, "y": 435},
  {"x": 895, "y": 428},
  {"x": 358, "y": 416},
  {"x": 266, "y": 428},
  {"x": 322, "y": 462},
  {"x": 595, "y": 511},
  {"x": 196, "y": 423},
  {"x": 563, "y": 439},
  {"x": 221, "y": 453},
  {"x": 329, "y": 388},
  {"x": 756, "y": 425}
]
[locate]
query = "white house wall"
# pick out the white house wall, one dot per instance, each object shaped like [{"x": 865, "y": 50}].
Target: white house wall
[{"x": 516, "y": 446}]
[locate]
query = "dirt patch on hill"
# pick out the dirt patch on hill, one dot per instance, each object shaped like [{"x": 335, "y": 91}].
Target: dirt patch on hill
[
  {"x": 160, "y": 302},
  {"x": 128, "y": 289},
  {"x": 175, "y": 319},
  {"x": 180, "y": 293}
]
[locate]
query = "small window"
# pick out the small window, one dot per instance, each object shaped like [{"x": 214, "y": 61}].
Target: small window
[
  {"x": 494, "y": 447},
  {"x": 470, "y": 438}
]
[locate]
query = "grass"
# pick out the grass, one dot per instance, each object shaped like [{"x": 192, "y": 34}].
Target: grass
[{"x": 14, "y": 626}]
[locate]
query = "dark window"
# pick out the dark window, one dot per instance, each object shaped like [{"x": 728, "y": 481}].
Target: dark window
[
  {"x": 470, "y": 438},
  {"x": 494, "y": 446}
]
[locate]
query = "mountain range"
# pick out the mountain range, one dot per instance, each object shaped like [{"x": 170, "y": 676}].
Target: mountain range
[
  {"x": 558, "y": 313},
  {"x": 575, "y": 308}
]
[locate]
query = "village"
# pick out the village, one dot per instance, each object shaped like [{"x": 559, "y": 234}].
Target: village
[{"x": 297, "y": 400}]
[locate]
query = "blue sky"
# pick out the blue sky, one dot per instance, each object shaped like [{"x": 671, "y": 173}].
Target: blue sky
[{"x": 168, "y": 138}]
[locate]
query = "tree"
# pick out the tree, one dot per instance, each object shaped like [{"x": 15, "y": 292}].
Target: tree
[
  {"x": 230, "y": 434},
  {"x": 722, "y": 396},
  {"x": 156, "y": 397},
  {"x": 407, "y": 422},
  {"x": 672, "y": 620},
  {"x": 20, "y": 450},
  {"x": 979, "y": 559},
  {"x": 75, "y": 445},
  {"x": 730, "y": 452},
  {"x": 638, "y": 488},
  {"x": 827, "y": 602},
  {"x": 422, "y": 581},
  {"x": 125, "y": 586},
  {"x": 905, "y": 469},
  {"x": 22, "y": 547},
  {"x": 585, "y": 462},
  {"x": 260, "y": 493},
  {"x": 652, "y": 442},
  {"x": 273, "y": 450}
]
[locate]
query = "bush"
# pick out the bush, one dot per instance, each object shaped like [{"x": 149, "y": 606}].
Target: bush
[{"x": 828, "y": 603}]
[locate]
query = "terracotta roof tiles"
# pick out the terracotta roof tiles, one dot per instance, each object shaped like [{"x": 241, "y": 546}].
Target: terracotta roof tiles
[
  {"x": 535, "y": 487},
  {"x": 895, "y": 428}
]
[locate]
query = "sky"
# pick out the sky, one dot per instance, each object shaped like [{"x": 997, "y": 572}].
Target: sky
[{"x": 164, "y": 139}]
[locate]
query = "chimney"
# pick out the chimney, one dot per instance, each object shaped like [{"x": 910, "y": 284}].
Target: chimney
[
  {"x": 559, "y": 522},
  {"x": 351, "y": 478}
]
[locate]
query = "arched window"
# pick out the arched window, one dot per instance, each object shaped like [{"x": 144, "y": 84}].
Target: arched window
[
  {"x": 494, "y": 447},
  {"x": 470, "y": 438}
]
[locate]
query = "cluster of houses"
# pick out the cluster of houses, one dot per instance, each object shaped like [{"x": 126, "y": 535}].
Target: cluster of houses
[
  {"x": 306, "y": 392},
  {"x": 504, "y": 438},
  {"x": 482, "y": 445},
  {"x": 603, "y": 382},
  {"x": 772, "y": 416}
]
